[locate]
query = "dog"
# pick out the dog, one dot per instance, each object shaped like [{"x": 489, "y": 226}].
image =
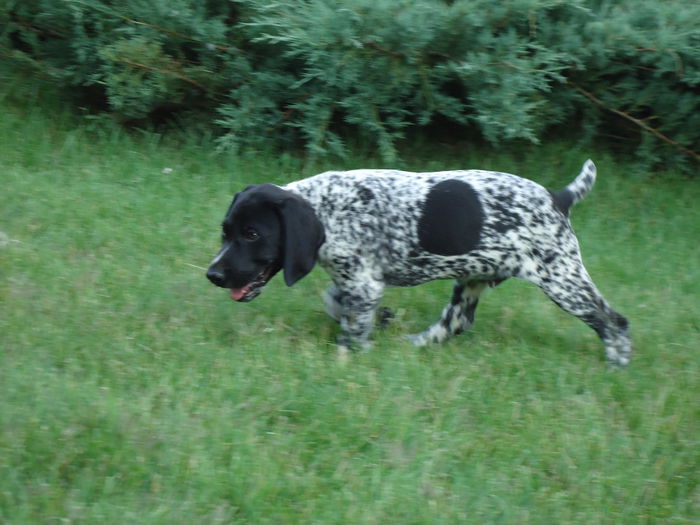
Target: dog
[{"x": 373, "y": 228}]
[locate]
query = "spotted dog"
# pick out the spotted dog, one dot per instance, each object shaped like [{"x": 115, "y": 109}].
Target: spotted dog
[{"x": 375, "y": 228}]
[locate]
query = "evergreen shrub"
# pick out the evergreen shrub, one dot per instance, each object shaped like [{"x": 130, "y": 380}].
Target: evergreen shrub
[{"x": 293, "y": 72}]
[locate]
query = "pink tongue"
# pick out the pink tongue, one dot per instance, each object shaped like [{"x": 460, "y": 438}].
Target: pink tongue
[{"x": 238, "y": 293}]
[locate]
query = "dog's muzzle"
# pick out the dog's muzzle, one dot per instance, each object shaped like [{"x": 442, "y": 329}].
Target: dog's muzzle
[{"x": 247, "y": 292}]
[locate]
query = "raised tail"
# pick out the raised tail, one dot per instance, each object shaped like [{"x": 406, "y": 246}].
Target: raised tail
[{"x": 577, "y": 190}]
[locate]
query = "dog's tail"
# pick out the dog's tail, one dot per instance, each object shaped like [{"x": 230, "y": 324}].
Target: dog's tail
[{"x": 577, "y": 190}]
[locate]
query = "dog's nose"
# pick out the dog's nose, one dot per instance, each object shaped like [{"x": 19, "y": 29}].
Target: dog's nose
[{"x": 216, "y": 277}]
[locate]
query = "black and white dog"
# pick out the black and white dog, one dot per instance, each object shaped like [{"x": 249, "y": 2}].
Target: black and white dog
[{"x": 374, "y": 228}]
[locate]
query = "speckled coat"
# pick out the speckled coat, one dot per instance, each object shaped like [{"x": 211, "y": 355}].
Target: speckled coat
[
  {"x": 375, "y": 228},
  {"x": 394, "y": 228}
]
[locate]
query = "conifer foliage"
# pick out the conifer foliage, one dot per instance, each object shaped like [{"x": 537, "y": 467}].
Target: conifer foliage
[{"x": 312, "y": 73}]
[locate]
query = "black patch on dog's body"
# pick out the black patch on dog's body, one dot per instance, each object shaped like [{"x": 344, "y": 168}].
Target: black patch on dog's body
[{"x": 452, "y": 219}]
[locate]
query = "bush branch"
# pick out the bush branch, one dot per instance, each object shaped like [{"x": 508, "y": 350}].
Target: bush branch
[
  {"x": 590, "y": 96},
  {"x": 145, "y": 67}
]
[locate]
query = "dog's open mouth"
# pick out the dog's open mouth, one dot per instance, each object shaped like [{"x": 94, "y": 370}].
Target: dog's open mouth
[{"x": 251, "y": 290}]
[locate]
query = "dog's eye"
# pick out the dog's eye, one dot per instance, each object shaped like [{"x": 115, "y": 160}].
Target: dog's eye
[{"x": 250, "y": 234}]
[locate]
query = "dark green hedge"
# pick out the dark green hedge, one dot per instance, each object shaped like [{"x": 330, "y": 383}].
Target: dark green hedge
[{"x": 315, "y": 72}]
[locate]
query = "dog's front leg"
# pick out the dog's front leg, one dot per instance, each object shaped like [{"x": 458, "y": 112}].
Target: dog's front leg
[{"x": 357, "y": 300}]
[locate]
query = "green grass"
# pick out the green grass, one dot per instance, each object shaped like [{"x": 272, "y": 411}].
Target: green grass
[{"x": 133, "y": 391}]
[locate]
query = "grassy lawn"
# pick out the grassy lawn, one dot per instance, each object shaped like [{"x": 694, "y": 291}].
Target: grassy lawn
[{"x": 133, "y": 391}]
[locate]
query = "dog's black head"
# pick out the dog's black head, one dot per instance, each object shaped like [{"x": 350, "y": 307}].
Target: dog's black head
[{"x": 266, "y": 229}]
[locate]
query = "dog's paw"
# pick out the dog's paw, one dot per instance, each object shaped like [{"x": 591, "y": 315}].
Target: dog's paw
[
  {"x": 384, "y": 317},
  {"x": 343, "y": 354},
  {"x": 417, "y": 340},
  {"x": 619, "y": 351},
  {"x": 618, "y": 360}
]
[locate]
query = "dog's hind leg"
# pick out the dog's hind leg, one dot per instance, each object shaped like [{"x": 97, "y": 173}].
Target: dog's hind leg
[
  {"x": 456, "y": 317},
  {"x": 574, "y": 291}
]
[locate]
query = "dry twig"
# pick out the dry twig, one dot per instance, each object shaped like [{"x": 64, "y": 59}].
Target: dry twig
[{"x": 590, "y": 96}]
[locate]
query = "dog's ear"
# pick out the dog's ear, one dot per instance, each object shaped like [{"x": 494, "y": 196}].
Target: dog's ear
[{"x": 303, "y": 236}]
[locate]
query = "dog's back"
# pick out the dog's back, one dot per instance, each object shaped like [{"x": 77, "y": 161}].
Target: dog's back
[{"x": 417, "y": 227}]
